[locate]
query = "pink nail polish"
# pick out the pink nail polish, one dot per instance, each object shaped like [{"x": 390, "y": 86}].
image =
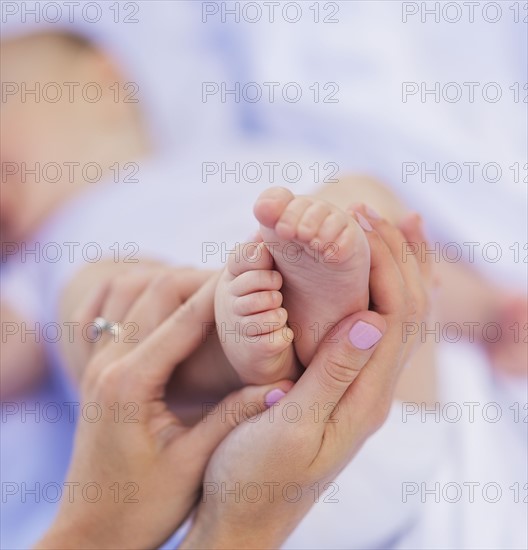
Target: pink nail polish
[
  {"x": 273, "y": 396},
  {"x": 363, "y": 335},
  {"x": 371, "y": 213},
  {"x": 363, "y": 222}
]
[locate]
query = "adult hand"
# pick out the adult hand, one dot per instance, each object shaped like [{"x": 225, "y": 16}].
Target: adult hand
[
  {"x": 136, "y": 470},
  {"x": 110, "y": 294},
  {"x": 263, "y": 477}
]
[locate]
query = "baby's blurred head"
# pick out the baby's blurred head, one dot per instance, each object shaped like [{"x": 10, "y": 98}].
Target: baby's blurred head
[{"x": 62, "y": 108}]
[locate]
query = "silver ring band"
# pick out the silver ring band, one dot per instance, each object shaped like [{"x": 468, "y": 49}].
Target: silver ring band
[{"x": 106, "y": 326}]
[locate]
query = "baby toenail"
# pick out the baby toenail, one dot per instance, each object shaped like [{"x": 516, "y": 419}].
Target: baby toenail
[
  {"x": 363, "y": 222},
  {"x": 255, "y": 253}
]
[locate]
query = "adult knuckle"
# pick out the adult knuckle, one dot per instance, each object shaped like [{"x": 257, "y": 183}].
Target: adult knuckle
[
  {"x": 110, "y": 384},
  {"x": 121, "y": 290},
  {"x": 123, "y": 286},
  {"x": 340, "y": 369},
  {"x": 164, "y": 284}
]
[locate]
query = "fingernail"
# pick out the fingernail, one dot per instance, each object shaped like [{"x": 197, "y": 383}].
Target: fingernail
[
  {"x": 256, "y": 252},
  {"x": 363, "y": 222},
  {"x": 364, "y": 336},
  {"x": 371, "y": 213},
  {"x": 273, "y": 396}
]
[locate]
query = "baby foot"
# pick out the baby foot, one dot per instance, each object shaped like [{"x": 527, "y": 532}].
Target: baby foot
[
  {"x": 324, "y": 259},
  {"x": 250, "y": 321}
]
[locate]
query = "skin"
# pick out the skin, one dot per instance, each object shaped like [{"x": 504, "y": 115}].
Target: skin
[
  {"x": 204, "y": 375},
  {"x": 249, "y": 294},
  {"x": 417, "y": 382},
  {"x": 41, "y": 132},
  {"x": 357, "y": 389},
  {"x": 113, "y": 132},
  {"x": 334, "y": 258},
  {"x": 360, "y": 381},
  {"x": 141, "y": 452},
  {"x": 47, "y": 131},
  {"x": 462, "y": 294}
]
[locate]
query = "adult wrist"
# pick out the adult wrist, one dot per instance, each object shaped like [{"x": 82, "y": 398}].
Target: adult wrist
[
  {"x": 241, "y": 530},
  {"x": 79, "y": 531},
  {"x": 60, "y": 539}
]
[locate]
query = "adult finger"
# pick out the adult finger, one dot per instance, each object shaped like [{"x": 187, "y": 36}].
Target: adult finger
[
  {"x": 413, "y": 231},
  {"x": 163, "y": 295},
  {"x": 155, "y": 358},
  {"x": 365, "y": 405},
  {"x": 397, "y": 288},
  {"x": 221, "y": 418},
  {"x": 79, "y": 351},
  {"x": 122, "y": 293},
  {"x": 404, "y": 254},
  {"x": 337, "y": 363},
  {"x": 389, "y": 289},
  {"x": 388, "y": 294}
]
